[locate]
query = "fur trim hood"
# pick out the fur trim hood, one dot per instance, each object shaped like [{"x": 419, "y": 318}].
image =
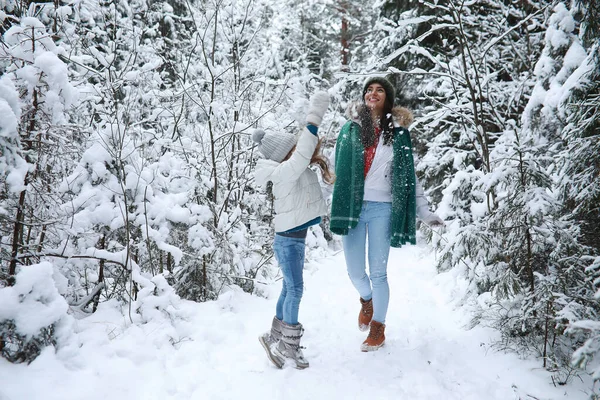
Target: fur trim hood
[{"x": 402, "y": 116}]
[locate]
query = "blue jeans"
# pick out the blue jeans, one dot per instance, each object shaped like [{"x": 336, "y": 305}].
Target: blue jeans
[
  {"x": 289, "y": 253},
  {"x": 375, "y": 223}
]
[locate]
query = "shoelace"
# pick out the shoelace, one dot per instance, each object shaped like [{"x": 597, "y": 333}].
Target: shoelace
[
  {"x": 375, "y": 332},
  {"x": 367, "y": 308}
]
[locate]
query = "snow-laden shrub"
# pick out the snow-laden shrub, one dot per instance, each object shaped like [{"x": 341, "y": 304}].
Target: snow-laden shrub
[{"x": 31, "y": 314}]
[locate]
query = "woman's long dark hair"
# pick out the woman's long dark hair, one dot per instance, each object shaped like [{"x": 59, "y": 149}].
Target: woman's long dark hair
[{"x": 367, "y": 133}]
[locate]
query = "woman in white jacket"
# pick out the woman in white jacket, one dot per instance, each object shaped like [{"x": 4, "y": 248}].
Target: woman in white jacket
[
  {"x": 376, "y": 194},
  {"x": 299, "y": 204}
]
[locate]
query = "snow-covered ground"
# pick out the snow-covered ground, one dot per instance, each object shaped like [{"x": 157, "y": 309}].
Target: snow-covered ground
[{"x": 211, "y": 351}]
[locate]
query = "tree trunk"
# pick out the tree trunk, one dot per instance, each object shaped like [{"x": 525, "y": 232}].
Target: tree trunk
[
  {"x": 101, "y": 246},
  {"x": 17, "y": 235},
  {"x": 211, "y": 132},
  {"x": 345, "y": 51}
]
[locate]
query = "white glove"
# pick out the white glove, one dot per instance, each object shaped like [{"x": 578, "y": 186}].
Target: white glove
[
  {"x": 319, "y": 102},
  {"x": 433, "y": 220}
]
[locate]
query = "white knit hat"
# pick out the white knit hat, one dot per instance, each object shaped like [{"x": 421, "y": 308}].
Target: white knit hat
[{"x": 274, "y": 146}]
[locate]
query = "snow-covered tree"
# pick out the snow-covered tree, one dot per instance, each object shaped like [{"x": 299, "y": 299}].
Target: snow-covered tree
[
  {"x": 36, "y": 94},
  {"x": 579, "y": 184},
  {"x": 32, "y": 66},
  {"x": 491, "y": 127}
]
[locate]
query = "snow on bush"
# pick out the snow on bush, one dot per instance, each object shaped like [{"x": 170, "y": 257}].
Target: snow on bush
[{"x": 32, "y": 313}]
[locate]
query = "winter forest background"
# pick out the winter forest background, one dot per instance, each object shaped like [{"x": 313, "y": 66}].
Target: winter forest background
[{"x": 126, "y": 159}]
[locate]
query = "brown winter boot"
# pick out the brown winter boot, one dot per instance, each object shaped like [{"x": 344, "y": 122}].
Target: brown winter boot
[
  {"x": 376, "y": 337},
  {"x": 365, "y": 315}
]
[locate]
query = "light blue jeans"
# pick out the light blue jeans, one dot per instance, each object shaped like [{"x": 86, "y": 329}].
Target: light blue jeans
[
  {"x": 375, "y": 224},
  {"x": 289, "y": 252}
]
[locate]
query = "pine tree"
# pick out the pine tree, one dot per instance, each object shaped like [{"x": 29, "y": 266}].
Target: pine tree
[{"x": 580, "y": 190}]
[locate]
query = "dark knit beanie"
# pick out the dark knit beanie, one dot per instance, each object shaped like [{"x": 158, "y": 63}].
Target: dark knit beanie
[{"x": 390, "y": 92}]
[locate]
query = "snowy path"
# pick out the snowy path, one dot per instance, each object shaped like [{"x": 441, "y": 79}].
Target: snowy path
[{"x": 428, "y": 354}]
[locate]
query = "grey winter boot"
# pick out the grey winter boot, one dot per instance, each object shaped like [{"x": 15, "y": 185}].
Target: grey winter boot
[
  {"x": 288, "y": 347},
  {"x": 270, "y": 338}
]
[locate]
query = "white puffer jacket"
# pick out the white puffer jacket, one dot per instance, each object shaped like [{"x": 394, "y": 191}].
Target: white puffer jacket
[{"x": 296, "y": 188}]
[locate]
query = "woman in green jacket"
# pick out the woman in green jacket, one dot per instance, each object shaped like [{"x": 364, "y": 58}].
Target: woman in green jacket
[{"x": 376, "y": 194}]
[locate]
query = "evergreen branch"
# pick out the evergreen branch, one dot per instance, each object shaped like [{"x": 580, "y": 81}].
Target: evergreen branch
[{"x": 431, "y": 228}]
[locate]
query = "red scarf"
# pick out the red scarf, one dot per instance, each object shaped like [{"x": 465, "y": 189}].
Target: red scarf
[{"x": 370, "y": 151}]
